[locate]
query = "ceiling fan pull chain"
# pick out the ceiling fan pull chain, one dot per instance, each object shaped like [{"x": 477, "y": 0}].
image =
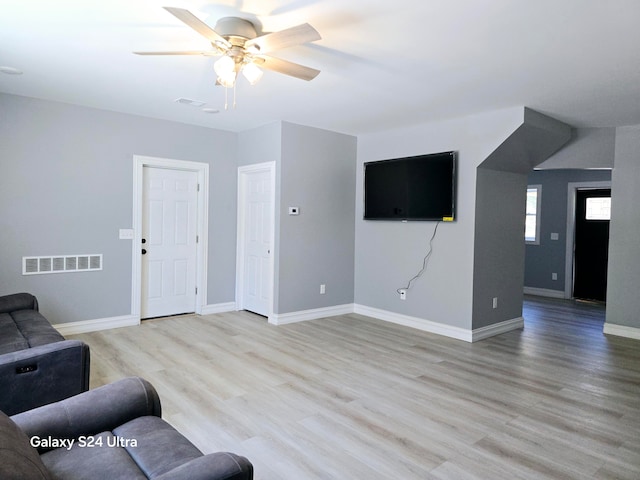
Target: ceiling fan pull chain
[
  {"x": 226, "y": 101},
  {"x": 234, "y": 94}
]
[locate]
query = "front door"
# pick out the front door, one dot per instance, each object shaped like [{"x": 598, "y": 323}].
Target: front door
[
  {"x": 591, "y": 247},
  {"x": 169, "y": 209}
]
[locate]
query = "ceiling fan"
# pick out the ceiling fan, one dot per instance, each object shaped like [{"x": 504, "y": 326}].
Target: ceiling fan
[{"x": 242, "y": 50}]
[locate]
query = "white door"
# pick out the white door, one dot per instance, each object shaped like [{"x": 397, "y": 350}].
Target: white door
[
  {"x": 169, "y": 204},
  {"x": 257, "y": 236}
]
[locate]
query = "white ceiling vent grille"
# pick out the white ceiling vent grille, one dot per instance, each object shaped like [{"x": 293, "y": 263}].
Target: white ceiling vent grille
[{"x": 61, "y": 264}]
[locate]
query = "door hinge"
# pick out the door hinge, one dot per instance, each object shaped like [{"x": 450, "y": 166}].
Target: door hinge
[
  {"x": 196, "y": 290},
  {"x": 198, "y": 187},
  {"x": 197, "y": 238}
]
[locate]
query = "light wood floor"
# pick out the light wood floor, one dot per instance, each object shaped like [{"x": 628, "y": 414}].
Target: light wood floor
[{"x": 351, "y": 397}]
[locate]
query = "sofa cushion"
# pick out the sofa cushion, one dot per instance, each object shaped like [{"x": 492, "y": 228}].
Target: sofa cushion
[
  {"x": 11, "y": 340},
  {"x": 22, "y": 329},
  {"x": 35, "y": 328},
  {"x": 160, "y": 448},
  {"x": 89, "y": 460},
  {"x": 18, "y": 459}
]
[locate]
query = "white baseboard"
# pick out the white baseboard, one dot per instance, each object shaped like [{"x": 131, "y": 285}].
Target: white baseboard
[
  {"x": 544, "y": 292},
  {"x": 439, "y": 328},
  {"x": 415, "y": 322},
  {"x": 218, "y": 308},
  {"x": 86, "y": 326},
  {"x": 621, "y": 331},
  {"x": 497, "y": 329},
  {"x": 313, "y": 314}
]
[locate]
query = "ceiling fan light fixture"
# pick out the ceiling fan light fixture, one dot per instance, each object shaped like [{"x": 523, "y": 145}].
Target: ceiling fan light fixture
[
  {"x": 227, "y": 80},
  {"x": 225, "y": 66},
  {"x": 252, "y": 73}
]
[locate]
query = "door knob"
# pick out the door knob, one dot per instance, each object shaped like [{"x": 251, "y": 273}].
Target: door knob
[
  {"x": 144, "y": 250},
  {"x": 144, "y": 240}
]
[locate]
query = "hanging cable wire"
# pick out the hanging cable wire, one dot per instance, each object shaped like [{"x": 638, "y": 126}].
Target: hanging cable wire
[{"x": 425, "y": 261}]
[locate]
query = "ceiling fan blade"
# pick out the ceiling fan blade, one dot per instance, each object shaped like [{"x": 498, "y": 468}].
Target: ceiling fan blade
[
  {"x": 284, "y": 38},
  {"x": 198, "y": 25},
  {"x": 286, "y": 67},
  {"x": 183, "y": 52}
]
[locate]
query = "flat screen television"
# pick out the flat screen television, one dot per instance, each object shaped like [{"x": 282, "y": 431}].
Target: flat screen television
[{"x": 411, "y": 188}]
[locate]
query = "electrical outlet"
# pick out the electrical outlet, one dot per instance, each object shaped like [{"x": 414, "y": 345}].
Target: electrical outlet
[
  {"x": 403, "y": 293},
  {"x": 323, "y": 289},
  {"x": 554, "y": 276},
  {"x": 495, "y": 302}
]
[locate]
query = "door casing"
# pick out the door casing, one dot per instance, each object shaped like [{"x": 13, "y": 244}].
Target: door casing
[{"x": 139, "y": 162}]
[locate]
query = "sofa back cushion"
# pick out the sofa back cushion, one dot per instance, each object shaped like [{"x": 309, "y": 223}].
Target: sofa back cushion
[
  {"x": 35, "y": 328},
  {"x": 11, "y": 339},
  {"x": 18, "y": 459},
  {"x": 18, "y": 301}
]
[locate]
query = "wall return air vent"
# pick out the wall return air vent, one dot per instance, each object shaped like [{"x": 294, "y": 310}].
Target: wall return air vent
[{"x": 61, "y": 264}]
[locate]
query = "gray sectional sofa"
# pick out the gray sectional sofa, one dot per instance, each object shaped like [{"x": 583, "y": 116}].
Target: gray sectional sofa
[{"x": 37, "y": 365}]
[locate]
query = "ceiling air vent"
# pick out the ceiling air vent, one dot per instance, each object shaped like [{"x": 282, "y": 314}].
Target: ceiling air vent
[
  {"x": 61, "y": 264},
  {"x": 188, "y": 101}
]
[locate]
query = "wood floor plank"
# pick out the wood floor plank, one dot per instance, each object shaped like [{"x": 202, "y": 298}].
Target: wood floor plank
[{"x": 354, "y": 397}]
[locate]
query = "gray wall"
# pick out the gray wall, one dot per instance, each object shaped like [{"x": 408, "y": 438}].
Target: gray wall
[
  {"x": 550, "y": 255},
  {"x": 588, "y": 148},
  {"x": 623, "y": 301},
  {"x": 500, "y": 215},
  {"x": 317, "y": 174},
  {"x": 388, "y": 254},
  {"x": 260, "y": 145},
  {"x": 315, "y": 171},
  {"x": 66, "y": 187},
  {"x": 499, "y": 246}
]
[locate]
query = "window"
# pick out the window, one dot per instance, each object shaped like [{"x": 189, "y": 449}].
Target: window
[
  {"x": 532, "y": 221},
  {"x": 598, "y": 208}
]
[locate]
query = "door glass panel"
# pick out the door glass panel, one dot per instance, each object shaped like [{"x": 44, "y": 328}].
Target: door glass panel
[{"x": 598, "y": 208}]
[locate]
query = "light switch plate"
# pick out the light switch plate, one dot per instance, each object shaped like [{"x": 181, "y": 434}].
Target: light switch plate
[{"x": 126, "y": 234}]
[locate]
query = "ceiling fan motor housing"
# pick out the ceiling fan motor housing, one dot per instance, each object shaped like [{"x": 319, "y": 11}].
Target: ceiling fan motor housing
[{"x": 236, "y": 30}]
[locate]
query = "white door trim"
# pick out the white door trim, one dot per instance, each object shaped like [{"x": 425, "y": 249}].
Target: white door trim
[
  {"x": 202, "y": 169},
  {"x": 572, "y": 193},
  {"x": 240, "y": 250}
]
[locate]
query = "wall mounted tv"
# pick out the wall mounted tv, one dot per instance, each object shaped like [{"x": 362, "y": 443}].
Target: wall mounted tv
[{"x": 411, "y": 188}]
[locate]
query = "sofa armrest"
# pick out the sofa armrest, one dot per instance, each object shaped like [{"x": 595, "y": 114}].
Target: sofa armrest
[
  {"x": 39, "y": 375},
  {"x": 91, "y": 412},
  {"x": 18, "y": 301},
  {"x": 215, "y": 466}
]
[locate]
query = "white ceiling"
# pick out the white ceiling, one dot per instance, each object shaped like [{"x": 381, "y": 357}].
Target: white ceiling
[{"x": 384, "y": 63}]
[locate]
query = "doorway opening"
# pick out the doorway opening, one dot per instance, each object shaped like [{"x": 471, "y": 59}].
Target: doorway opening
[
  {"x": 592, "y": 256},
  {"x": 591, "y": 244}
]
